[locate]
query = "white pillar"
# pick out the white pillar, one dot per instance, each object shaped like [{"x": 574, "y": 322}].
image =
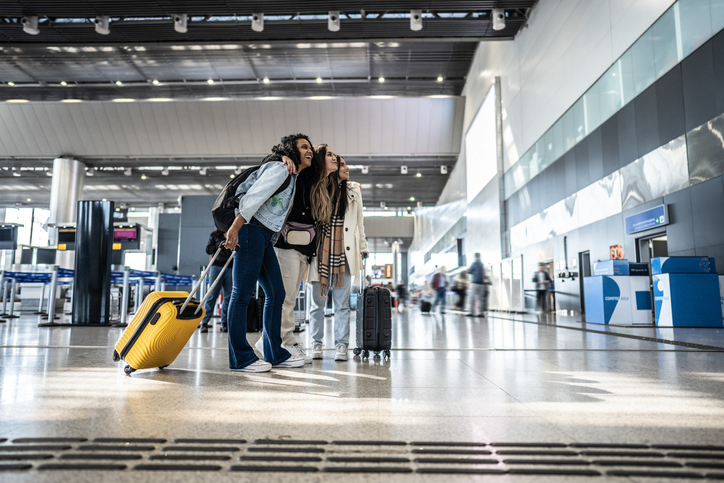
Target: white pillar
[
  {"x": 65, "y": 191},
  {"x": 395, "y": 268}
]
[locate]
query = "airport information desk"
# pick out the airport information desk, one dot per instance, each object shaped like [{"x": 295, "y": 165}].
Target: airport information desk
[{"x": 686, "y": 293}]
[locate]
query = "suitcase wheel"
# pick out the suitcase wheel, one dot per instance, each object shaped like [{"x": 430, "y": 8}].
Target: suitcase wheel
[
  {"x": 116, "y": 356},
  {"x": 377, "y": 354},
  {"x": 365, "y": 354},
  {"x": 163, "y": 367},
  {"x": 357, "y": 351},
  {"x": 128, "y": 370},
  {"x": 387, "y": 355}
]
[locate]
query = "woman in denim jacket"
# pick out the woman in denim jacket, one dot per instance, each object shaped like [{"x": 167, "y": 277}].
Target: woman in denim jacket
[{"x": 259, "y": 218}]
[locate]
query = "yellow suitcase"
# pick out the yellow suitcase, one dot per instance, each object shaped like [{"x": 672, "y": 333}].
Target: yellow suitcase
[
  {"x": 163, "y": 324},
  {"x": 158, "y": 331}
]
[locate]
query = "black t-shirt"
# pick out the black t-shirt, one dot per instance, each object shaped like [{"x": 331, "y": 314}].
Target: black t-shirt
[{"x": 302, "y": 212}]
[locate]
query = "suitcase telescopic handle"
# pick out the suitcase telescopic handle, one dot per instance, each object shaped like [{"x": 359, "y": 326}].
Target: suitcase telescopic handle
[
  {"x": 362, "y": 280},
  {"x": 203, "y": 276},
  {"x": 221, "y": 273}
]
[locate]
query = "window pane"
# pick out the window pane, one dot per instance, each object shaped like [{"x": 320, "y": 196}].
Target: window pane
[
  {"x": 694, "y": 31},
  {"x": 664, "y": 38},
  {"x": 592, "y": 108},
  {"x": 610, "y": 92},
  {"x": 717, "y": 15},
  {"x": 626, "y": 74},
  {"x": 642, "y": 60}
]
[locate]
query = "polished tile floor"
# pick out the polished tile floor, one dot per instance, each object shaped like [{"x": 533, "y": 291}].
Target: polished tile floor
[{"x": 505, "y": 379}]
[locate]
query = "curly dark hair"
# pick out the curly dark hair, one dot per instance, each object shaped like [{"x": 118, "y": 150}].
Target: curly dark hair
[{"x": 288, "y": 147}]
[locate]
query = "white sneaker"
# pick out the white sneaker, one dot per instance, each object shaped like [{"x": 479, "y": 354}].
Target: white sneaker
[
  {"x": 291, "y": 362},
  {"x": 341, "y": 354},
  {"x": 317, "y": 350},
  {"x": 257, "y": 366},
  {"x": 260, "y": 346},
  {"x": 297, "y": 350}
]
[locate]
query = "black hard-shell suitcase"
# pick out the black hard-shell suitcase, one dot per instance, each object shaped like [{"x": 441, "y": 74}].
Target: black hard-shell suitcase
[
  {"x": 374, "y": 322},
  {"x": 425, "y": 306}
]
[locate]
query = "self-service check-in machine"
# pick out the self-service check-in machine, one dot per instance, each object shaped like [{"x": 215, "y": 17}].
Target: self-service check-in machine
[
  {"x": 686, "y": 292},
  {"x": 618, "y": 293}
]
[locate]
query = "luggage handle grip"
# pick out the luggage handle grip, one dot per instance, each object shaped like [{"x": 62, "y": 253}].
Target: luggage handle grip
[
  {"x": 362, "y": 280},
  {"x": 203, "y": 276},
  {"x": 211, "y": 289}
]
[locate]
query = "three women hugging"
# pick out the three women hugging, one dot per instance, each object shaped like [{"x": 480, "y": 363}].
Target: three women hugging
[{"x": 311, "y": 231}]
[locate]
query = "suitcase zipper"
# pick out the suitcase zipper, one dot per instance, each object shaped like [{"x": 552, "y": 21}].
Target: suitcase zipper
[{"x": 146, "y": 320}]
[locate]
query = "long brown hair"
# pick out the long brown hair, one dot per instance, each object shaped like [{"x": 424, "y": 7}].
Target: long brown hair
[{"x": 323, "y": 190}]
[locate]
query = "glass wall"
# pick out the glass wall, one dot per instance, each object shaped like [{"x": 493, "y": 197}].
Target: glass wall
[{"x": 676, "y": 34}]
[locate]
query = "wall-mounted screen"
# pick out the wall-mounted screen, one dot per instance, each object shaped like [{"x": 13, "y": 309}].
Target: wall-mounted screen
[
  {"x": 8, "y": 237},
  {"x": 66, "y": 239},
  {"x": 481, "y": 151},
  {"x": 127, "y": 236},
  {"x": 44, "y": 256}
]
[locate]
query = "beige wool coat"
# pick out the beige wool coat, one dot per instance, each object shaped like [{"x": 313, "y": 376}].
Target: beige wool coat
[{"x": 355, "y": 241}]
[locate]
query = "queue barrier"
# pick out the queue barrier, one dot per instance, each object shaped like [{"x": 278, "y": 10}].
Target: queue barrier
[{"x": 59, "y": 276}]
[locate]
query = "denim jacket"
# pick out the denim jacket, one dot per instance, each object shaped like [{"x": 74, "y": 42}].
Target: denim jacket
[{"x": 257, "y": 200}]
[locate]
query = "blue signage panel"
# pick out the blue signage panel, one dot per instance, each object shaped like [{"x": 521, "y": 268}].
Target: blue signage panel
[{"x": 645, "y": 220}]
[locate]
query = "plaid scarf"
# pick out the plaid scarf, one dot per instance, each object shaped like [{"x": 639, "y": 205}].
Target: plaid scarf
[{"x": 332, "y": 260}]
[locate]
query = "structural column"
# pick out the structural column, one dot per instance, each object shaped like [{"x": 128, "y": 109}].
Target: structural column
[
  {"x": 93, "y": 246},
  {"x": 65, "y": 191}
]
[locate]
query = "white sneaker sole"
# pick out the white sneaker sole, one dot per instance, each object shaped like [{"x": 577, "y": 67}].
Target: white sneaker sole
[
  {"x": 255, "y": 368},
  {"x": 317, "y": 355},
  {"x": 288, "y": 363},
  {"x": 341, "y": 357}
]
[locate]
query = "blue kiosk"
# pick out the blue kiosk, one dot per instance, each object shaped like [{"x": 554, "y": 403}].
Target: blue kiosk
[
  {"x": 686, "y": 292},
  {"x": 618, "y": 293}
]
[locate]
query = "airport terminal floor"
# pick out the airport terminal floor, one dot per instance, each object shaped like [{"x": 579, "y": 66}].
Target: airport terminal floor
[{"x": 510, "y": 397}]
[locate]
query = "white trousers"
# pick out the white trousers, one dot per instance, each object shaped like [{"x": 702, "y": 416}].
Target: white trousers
[{"x": 294, "y": 267}]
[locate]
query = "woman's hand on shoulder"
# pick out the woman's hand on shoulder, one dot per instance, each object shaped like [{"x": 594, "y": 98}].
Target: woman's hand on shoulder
[{"x": 289, "y": 164}]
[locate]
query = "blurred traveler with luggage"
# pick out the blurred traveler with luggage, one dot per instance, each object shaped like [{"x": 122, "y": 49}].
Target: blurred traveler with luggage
[
  {"x": 226, "y": 284},
  {"x": 259, "y": 218},
  {"x": 478, "y": 289},
  {"x": 439, "y": 285},
  {"x": 401, "y": 294},
  {"x": 343, "y": 245},
  {"x": 542, "y": 283},
  {"x": 460, "y": 287}
]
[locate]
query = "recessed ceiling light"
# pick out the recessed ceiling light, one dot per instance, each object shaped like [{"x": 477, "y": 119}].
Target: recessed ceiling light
[
  {"x": 319, "y": 80},
  {"x": 71, "y": 100},
  {"x": 266, "y": 80},
  {"x": 11, "y": 84},
  {"x": 419, "y": 175},
  {"x": 232, "y": 175},
  {"x": 124, "y": 99},
  {"x": 215, "y": 99},
  {"x": 17, "y": 101},
  {"x": 210, "y": 82},
  {"x": 440, "y": 78},
  {"x": 381, "y": 79},
  {"x": 104, "y": 199},
  {"x": 119, "y": 83},
  {"x": 143, "y": 176},
  {"x": 412, "y": 198},
  {"x": 155, "y": 82},
  {"x": 133, "y": 208},
  {"x": 63, "y": 83},
  {"x": 160, "y": 99},
  {"x": 29, "y": 199}
]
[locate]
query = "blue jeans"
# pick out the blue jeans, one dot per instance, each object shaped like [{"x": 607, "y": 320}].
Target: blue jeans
[
  {"x": 440, "y": 297},
  {"x": 227, "y": 284},
  {"x": 340, "y": 298},
  {"x": 256, "y": 260}
]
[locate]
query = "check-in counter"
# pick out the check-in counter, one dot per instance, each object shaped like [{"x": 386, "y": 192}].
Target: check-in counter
[
  {"x": 618, "y": 293},
  {"x": 686, "y": 292}
]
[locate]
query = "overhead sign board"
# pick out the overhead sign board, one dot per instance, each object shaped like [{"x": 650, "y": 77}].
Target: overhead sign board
[{"x": 651, "y": 218}]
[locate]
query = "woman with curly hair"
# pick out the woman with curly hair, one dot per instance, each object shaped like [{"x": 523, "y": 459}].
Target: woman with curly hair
[
  {"x": 343, "y": 245},
  {"x": 297, "y": 244},
  {"x": 259, "y": 219}
]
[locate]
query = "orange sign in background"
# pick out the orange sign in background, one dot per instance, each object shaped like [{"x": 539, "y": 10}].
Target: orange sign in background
[{"x": 617, "y": 252}]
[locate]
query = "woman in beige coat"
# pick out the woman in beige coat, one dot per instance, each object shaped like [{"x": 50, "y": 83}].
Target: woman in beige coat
[{"x": 342, "y": 256}]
